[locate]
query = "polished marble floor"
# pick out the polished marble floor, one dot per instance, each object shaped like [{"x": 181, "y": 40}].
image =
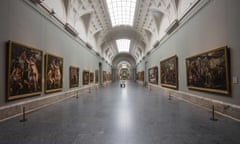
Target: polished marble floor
[{"x": 114, "y": 115}]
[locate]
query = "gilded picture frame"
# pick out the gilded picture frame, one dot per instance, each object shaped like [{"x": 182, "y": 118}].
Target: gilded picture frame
[
  {"x": 85, "y": 77},
  {"x": 153, "y": 75},
  {"x": 53, "y": 73},
  {"x": 73, "y": 76},
  {"x": 24, "y": 71},
  {"x": 209, "y": 71},
  {"x": 169, "y": 72}
]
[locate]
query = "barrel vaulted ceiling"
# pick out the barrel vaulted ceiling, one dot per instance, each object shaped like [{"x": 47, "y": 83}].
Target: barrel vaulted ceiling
[{"x": 91, "y": 20}]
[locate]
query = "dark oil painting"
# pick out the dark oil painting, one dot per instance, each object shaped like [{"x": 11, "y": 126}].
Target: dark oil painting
[
  {"x": 209, "y": 71},
  {"x": 153, "y": 75},
  {"x": 24, "y": 71},
  {"x": 169, "y": 72},
  {"x": 85, "y": 77},
  {"x": 91, "y": 77},
  {"x": 104, "y": 76},
  {"x": 53, "y": 73},
  {"x": 74, "y": 77}
]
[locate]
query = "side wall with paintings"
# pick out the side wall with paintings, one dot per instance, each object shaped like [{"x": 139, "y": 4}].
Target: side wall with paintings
[
  {"x": 22, "y": 23},
  {"x": 215, "y": 25}
]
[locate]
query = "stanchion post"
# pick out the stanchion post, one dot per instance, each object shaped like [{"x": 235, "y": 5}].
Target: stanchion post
[
  {"x": 213, "y": 114},
  {"x": 23, "y": 115},
  {"x": 89, "y": 90},
  {"x": 77, "y": 95},
  {"x": 169, "y": 96}
]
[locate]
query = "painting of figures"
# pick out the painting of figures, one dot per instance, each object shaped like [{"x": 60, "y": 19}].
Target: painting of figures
[
  {"x": 153, "y": 75},
  {"x": 169, "y": 72},
  {"x": 209, "y": 71},
  {"x": 85, "y": 77},
  {"x": 91, "y": 77},
  {"x": 53, "y": 73},
  {"x": 74, "y": 77},
  {"x": 24, "y": 71}
]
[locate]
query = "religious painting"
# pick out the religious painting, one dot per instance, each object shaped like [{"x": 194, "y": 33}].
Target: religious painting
[
  {"x": 91, "y": 77},
  {"x": 74, "y": 77},
  {"x": 24, "y": 71},
  {"x": 96, "y": 76},
  {"x": 104, "y": 76},
  {"x": 153, "y": 75},
  {"x": 209, "y": 71},
  {"x": 169, "y": 72},
  {"x": 53, "y": 73},
  {"x": 85, "y": 77}
]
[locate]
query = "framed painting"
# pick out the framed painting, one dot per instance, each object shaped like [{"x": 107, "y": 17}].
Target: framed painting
[
  {"x": 209, "y": 71},
  {"x": 24, "y": 71},
  {"x": 74, "y": 77},
  {"x": 96, "y": 76},
  {"x": 138, "y": 76},
  {"x": 91, "y": 77},
  {"x": 142, "y": 76},
  {"x": 85, "y": 77},
  {"x": 169, "y": 72},
  {"x": 104, "y": 76},
  {"x": 53, "y": 73},
  {"x": 153, "y": 75}
]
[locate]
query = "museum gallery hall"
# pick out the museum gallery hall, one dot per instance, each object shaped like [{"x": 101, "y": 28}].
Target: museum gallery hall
[{"x": 119, "y": 72}]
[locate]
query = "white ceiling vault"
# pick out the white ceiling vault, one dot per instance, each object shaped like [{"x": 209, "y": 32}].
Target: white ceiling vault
[{"x": 91, "y": 20}]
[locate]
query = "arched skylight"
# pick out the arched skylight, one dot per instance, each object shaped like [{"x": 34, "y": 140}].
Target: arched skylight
[
  {"x": 121, "y": 11},
  {"x": 123, "y": 45}
]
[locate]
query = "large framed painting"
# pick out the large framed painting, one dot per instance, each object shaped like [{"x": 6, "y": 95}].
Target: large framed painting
[
  {"x": 53, "y": 73},
  {"x": 209, "y": 71},
  {"x": 169, "y": 72},
  {"x": 91, "y": 76},
  {"x": 85, "y": 77},
  {"x": 96, "y": 76},
  {"x": 74, "y": 77},
  {"x": 153, "y": 75},
  {"x": 24, "y": 71}
]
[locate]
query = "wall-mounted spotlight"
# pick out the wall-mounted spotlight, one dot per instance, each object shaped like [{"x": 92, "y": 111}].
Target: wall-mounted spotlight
[
  {"x": 156, "y": 44},
  {"x": 37, "y": 1},
  {"x": 71, "y": 29},
  {"x": 88, "y": 46},
  {"x": 172, "y": 26},
  {"x": 97, "y": 54}
]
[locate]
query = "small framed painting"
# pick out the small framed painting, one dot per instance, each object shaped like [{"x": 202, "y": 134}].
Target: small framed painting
[
  {"x": 74, "y": 77},
  {"x": 169, "y": 72}
]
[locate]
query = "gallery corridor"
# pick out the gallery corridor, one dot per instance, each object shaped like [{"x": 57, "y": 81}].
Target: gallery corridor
[{"x": 114, "y": 115}]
